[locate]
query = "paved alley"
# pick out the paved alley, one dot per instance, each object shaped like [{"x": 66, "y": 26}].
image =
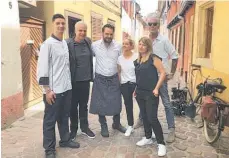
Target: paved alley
[{"x": 23, "y": 139}]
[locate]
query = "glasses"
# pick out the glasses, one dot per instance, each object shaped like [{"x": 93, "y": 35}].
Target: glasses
[{"x": 152, "y": 24}]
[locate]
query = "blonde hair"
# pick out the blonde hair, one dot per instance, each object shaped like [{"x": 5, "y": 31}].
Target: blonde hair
[
  {"x": 131, "y": 42},
  {"x": 148, "y": 43}
]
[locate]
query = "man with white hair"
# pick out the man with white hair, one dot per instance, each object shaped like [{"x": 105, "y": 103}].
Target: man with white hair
[
  {"x": 163, "y": 48},
  {"x": 81, "y": 68}
]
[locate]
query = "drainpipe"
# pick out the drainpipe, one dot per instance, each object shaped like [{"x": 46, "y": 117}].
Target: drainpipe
[
  {"x": 186, "y": 73},
  {"x": 183, "y": 34}
]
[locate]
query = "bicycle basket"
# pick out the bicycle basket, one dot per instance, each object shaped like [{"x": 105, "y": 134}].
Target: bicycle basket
[{"x": 208, "y": 109}]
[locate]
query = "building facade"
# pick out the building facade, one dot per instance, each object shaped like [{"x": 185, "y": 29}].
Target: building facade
[
  {"x": 210, "y": 43},
  {"x": 11, "y": 87},
  {"x": 198, "y": 31},
  {"x": 29, "y": 24}
]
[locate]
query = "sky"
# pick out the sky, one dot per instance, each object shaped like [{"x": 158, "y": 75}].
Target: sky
[{"x": 147, "y": 6}]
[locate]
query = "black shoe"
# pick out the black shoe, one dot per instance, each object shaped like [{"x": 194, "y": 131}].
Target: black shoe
[
  {"x": 104, "y": 130},
  {"x": 73, "y": 136},
  {"x": 88, "y": 133},
  {"x": 69, "y": 144},
  {"x": 120, "y": 128},
  {"x": 50, "y": 155}
]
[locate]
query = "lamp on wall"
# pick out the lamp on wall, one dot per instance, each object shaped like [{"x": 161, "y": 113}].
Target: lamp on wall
[{"x": 30, "y": 43}]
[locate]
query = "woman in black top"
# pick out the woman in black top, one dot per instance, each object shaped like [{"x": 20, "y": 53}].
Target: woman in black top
[{"x": 148, "y": 83}]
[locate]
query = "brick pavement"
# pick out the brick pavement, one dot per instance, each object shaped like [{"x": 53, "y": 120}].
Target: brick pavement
[{"x": 23, "y": 139}]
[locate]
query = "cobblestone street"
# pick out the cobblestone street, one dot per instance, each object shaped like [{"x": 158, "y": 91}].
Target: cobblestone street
[{"x": 23, "y": 139}]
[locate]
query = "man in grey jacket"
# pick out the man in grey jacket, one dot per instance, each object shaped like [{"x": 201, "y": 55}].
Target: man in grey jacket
[
  {"x": 81, "y": 67},
  {"x": 53, "y": 75}
]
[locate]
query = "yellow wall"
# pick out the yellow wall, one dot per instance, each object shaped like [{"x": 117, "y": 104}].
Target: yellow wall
[
  {"x": 218, "y": 64},
  {"x": 83, "y": 8}
]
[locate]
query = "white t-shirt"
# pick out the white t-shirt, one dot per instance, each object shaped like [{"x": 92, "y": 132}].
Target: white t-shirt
[{"x": 127, "y": 68}]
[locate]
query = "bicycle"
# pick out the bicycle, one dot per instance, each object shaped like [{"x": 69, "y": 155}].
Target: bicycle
[{"x": 192, "y": 107}]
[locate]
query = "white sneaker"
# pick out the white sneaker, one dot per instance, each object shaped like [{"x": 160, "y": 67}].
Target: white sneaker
[
  {"x": 129, "y": 130},
  {"x": 144, "y": 141},
  {"x": 153, "y": 134},
  {"x": 161, "y": 150}
]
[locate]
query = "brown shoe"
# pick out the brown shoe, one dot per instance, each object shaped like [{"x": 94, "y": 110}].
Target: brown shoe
[{"x": 138, "y": 124}]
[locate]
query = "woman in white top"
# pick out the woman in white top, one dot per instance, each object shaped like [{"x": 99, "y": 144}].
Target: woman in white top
[{"x": 126, "y": 70}]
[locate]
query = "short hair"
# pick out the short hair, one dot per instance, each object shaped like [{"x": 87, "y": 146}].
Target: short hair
[
  {"x": 56, "y": 16},
  {"x": 108, "y": 26},
  {"x": 153, "y": 15},
  {"x": 80, "y": 22}
]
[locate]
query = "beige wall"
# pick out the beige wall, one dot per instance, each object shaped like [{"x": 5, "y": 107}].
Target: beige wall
[
  {"x": 82, "y": 8},
  {"x": 10, "y": 51}
]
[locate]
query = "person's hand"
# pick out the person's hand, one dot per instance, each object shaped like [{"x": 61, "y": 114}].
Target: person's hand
[
  {"x": 134, "y": 94},
  {"x": 156, "y": 92},
  {"x": 170, "y": 76},
  {"x": 50, "y": 97}
]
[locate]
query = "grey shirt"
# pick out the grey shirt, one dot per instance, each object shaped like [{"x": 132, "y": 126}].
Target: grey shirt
[
  {"x": 83, "y": 62},
  {"x": 53, "y": 65}
]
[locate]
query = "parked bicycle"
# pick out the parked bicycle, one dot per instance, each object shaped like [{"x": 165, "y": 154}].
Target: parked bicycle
[
  {"x": 212, "y": 111},
  {"x": 183, "y": 102}
]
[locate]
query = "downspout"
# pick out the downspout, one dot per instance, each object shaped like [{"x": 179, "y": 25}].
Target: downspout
[
  {"x": 183, "y": 32},
  {"x": 186, "y": 73}
]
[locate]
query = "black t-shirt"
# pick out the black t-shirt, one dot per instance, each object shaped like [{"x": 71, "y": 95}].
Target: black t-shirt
[{"x": 146, "y": 77}]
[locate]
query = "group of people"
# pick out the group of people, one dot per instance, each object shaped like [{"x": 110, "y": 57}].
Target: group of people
[{"x": 65, "y": 70}]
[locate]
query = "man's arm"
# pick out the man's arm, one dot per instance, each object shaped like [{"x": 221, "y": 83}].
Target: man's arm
[
  {"x": 173, "y": 54},
  {"x": 174, "y": 65},
  {"x": 43, "y": 67}
]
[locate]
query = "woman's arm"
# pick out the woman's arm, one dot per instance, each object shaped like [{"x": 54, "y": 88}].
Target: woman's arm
[
  {"x": 119, "y": 72},
  {"x": 160, "y": 68}
]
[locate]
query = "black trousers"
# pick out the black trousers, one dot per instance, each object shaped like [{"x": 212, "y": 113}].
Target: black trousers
[
  {"x": 57, "y": 112},
  {"x": 127, "y": 90},
  {"x": 116, "y": 119},
  {"x": 80, "y": 96},
  {"x": 149, "y": 108}
]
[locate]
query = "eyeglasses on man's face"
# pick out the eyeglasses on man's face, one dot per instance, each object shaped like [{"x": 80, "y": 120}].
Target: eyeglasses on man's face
[{"x": 152, "y": 24}]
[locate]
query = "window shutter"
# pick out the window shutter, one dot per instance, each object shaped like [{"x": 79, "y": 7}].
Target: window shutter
[{"x": 96, "y": 27}]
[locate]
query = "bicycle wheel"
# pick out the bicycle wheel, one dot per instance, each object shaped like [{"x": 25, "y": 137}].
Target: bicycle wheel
[
  {"x": 212, "y": 131},
  {"x": 198, "y": 118},
  {"x": 198, "y": 106}
]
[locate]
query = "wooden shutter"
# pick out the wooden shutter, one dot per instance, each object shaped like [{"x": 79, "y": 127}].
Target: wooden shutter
[{"x": 96, "y": 26}]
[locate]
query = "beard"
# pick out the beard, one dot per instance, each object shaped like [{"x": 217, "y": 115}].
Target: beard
[
  {"x": 154, "y": 33},
  {"x": 107, "y": 40}
]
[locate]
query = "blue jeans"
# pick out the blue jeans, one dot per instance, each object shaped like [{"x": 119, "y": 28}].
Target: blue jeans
[{"x": 164, "y": 94}]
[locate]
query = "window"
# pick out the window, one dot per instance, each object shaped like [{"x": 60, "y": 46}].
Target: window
[
  {"x": 205, "y": 30},
  {"x": 96, "y": 26},
  {"x": 71, "y": 19},
  {"x": 208, "y": 37},
  {"x": 71, "y": 25}
]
